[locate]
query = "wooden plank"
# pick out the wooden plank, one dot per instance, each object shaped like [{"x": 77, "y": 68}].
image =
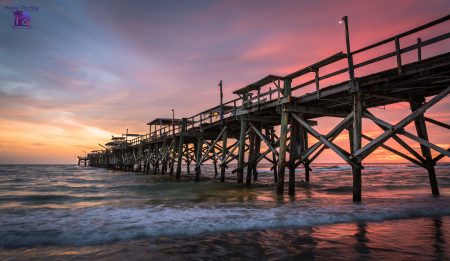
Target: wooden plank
[
  {"x": 282, "y": 152},
  {"x": 241, "y": 162},
  {"x": 224, "y": 154},
  {"x": 371, "y": 146},
  {"x": 263, "y": 138},
  {"x": 444, "y": 125}
]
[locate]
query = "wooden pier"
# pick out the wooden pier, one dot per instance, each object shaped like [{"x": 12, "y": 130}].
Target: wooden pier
[{"x": 271, "y": 119}]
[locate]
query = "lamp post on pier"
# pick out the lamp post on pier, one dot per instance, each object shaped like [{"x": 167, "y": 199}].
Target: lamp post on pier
[
  {"x": 221, "y": 104},
  {"x": 355, "y": 133},
  {"x": 173, "y": 121},
  {"x": 351, "y": 71}
]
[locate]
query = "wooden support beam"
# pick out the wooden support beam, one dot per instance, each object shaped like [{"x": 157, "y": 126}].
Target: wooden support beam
[
  {"x": 439, "y": 157},
  {"x": 371, "y": 146},
  {"x": 283, "y": 138},
  {"x": 210, "y": 147},
  {"x": 188, "y": 159},
  {"x": 251, "y": 157},
  {"x": 257, "y": 152},
  {"x": 357, "y": 141},
  {"x": 425, "y": 143},
  {"x": 405, "y": 133},
  {"x": 386, "y": 126},
  {"x": 425, "y": 146},
  {"x": 209, "y": 152},
  {"x": 163, "y": 157},
  {"x": 396, "y": 152},
  {"x": 330, "y": 136},
  {"x": 215, "y": 166},
  {"x": 264, "y": 138},
  {"x": 180, "y": 147},
  {"x": 241, "y": 160},
  {"x": 230, "y": 154},
  {"x": 444, "y": 125},
  {"x": 317, "y": 111},
  {"x": 398, "y": 55},
  {"x": 339, "y": 151},
  {"x": 274, "y": 155},
  {"x": 198, "y": 156},
  {"x": 224, "y": 154},
  {"x": 173, "y": 154},
  {"x": 316, "y": 80},
  {"x": 304, "y": 146},
  {"x": 294, "y": 150},
  {"x": 261, "y": 156}
]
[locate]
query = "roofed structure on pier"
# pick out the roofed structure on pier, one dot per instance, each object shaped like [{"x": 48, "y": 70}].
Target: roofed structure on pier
[{"x": 258, "y": 84}]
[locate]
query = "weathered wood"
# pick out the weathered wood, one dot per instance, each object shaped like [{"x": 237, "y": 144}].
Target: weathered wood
[
  {"x": 304, "y": 146},
  {"x": 396, "y": 152},
  {"x": 339, "y": 151},
  {"x": 398, "y": 54},
  {"x": 257, "y": 152},
  {"x": 282, "y": 152},
  {"x": 357, "y": 141},
  {"x": 371, "y": 146},
  {"x": 174, "y": 155},
  {"x": 294, "y": 150},
  {"x": 444, "y": 125},
  {"x": 386, "y": 126},
  {"x": 224, "y": 155},
  {"x": 251, "y": 157},
  {"x": 419, "y": 49},
  {"x": 215, "y": 165},
  {"x": 349, "y": 53},
  {"x": 241, "y": 160},
  {"x": 198, "y": 156},
  {"x": 439, "y": 157},
  {"x": 262, "y": 137},
  {"x": 330, "y": 136},
  {"x": 274, "y": 156},
  {"x": 180, "y": 148},
  {"x": 211, "y": 147},
  {"x": 421, "y": 129}
]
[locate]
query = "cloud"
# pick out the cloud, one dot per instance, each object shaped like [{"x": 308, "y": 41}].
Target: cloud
[{"x": 89, "y": 69}]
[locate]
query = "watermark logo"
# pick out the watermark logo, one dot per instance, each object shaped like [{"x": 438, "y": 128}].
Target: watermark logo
[
  {"x": 22, "y": 19},
  {"x": 21, "y": 16}
]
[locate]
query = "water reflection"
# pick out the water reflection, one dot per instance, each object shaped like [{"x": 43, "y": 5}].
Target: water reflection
[
  {"x": 412, "y": 239},
  {"x": 439, "y": 245},
  {"x": 361, "y": 246}
]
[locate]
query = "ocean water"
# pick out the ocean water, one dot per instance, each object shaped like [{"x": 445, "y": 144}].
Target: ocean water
[{"x": 65, "y": 212}]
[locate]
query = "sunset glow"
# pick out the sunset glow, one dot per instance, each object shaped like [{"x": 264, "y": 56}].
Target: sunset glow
[{"x": 87, "y": 70}]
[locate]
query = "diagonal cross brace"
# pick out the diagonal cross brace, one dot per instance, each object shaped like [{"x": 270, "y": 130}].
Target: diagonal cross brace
[
  {"x": 439, "y": 157},
  {"x": 230, "y": 152},
  {"x": 375, "y": 143},
  {"x": 214, "y": 153},
  {"x": 210, "y": 147},
  {"x": 260, "y": 157},
  {"x": 263, "y": 138},
  {"x": 338, "y": 150},
  {"x": 396, "y": 152},
  {"x": 384, "y": 125},
  {"x": 409, "y": 135},
  {"x": 331, "y": 135}
]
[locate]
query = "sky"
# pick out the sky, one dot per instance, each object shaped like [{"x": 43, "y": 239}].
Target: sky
[{"x": 90, "y": 69}]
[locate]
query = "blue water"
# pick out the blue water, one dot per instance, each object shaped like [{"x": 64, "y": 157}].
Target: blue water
[{"x": 70, "y": 212}]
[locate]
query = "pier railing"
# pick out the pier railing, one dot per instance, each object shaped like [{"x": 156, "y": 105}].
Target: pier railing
[{"x": 270, "y": 92}]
